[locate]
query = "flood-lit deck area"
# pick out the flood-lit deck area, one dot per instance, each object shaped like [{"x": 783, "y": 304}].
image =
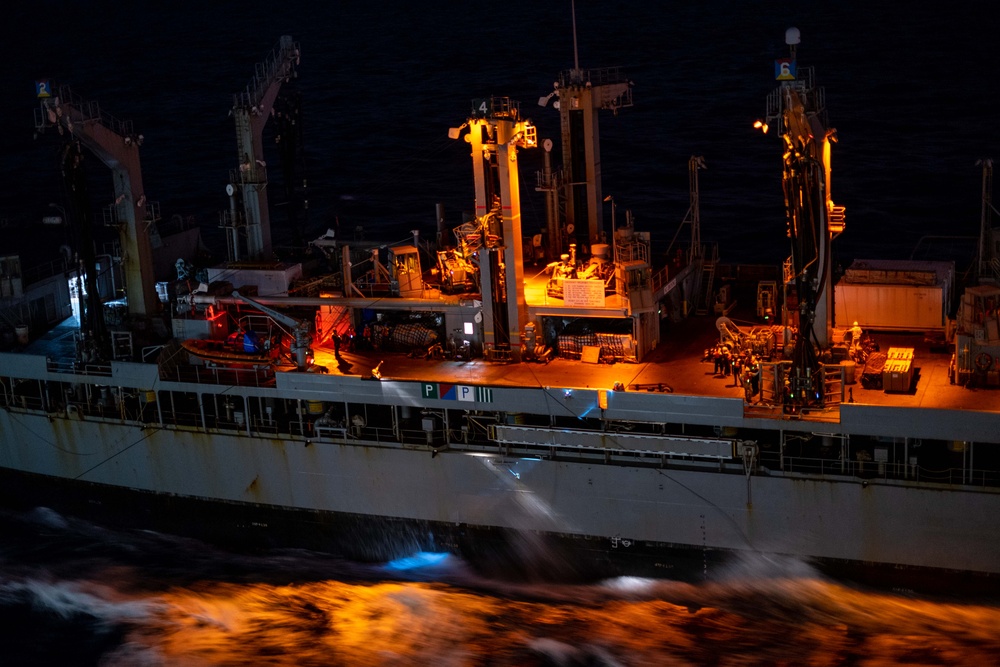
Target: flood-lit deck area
[
  {"x": 541, "y": 303},
  {"x": 676, "y": 366}
]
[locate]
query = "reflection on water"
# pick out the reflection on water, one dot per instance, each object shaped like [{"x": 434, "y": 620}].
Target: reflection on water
[{"x": 71, "y": 593}]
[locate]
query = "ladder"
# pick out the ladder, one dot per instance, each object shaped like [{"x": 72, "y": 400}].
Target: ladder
[{"x": 707, "y": 281}]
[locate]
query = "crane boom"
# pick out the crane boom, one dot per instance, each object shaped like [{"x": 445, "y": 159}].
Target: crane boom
[
  {"x": 251, "y": 109},
  {"x": 301, "y": 329},
  {"x": 114, "y": 143}
]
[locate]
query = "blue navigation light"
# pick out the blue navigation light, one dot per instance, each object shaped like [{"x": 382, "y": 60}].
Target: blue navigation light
[{"x": 417, "y": 560}]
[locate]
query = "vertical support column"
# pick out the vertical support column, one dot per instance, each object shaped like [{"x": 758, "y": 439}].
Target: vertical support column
[
  {"x": 554, "y": 243},
  {"x": 479, "y": 143},
  {"x": 246, "y": 413},
  {"x": 972, "y": 452},
  {"x": 510, "y": 201},
  {"x": 201, "y": 409},
  {"x": 581, "y": 162},
  {"x": 906, "y": 458},
  {"x": 781, "y": 450}
]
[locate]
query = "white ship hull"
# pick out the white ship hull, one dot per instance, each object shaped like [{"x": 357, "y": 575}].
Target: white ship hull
[{"x": 612, "y": 501}]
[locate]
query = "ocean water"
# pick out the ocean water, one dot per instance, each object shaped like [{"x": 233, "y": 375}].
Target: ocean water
[
  {"x": 72, "y": 593},
  {"x": 912, "y": 91}
]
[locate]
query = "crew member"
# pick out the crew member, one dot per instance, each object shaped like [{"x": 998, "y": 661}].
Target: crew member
[{"x": 855, "y": 332}]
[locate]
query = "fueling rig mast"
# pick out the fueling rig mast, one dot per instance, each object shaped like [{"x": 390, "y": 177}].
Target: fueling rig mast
[
  {"x": 495, "y": 132},
  {"x": 580, "y": 94},
  {"x": 798, "y": 109}
]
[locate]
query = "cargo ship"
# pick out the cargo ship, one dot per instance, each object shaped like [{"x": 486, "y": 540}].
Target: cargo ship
[{"x": 547, "y": 405}]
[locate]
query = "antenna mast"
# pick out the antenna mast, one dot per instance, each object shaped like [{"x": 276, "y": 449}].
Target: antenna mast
[{"x": 576, "y": 53}]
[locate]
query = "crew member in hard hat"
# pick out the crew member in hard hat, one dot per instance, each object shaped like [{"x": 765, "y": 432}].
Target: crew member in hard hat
[{"x": 855, "y": 332}]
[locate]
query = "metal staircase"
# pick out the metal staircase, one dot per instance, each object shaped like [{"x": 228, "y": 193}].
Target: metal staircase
[{"x": 707, "y": 282}]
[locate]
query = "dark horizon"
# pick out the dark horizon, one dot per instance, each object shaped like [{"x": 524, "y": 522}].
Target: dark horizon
[{"x": 380, "y": 91}]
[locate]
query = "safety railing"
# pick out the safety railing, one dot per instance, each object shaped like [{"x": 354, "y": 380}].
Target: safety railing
[{"x": 868, "y": 470}]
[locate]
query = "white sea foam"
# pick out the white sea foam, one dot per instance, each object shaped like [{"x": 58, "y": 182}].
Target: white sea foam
[
  {"x": 67, "y": 599},
  {"x": 567, "y": 655},
  {"x": 49, "y": 517}
]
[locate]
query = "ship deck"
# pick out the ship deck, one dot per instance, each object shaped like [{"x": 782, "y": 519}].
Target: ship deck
[{"x": 677, "y": 366}]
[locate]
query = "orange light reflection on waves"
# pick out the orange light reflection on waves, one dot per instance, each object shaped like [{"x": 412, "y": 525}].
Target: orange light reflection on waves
[{"x": 402, "y": 623}]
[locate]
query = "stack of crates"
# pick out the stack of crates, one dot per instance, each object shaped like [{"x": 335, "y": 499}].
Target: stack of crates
[{"x": 897, "y": 375}]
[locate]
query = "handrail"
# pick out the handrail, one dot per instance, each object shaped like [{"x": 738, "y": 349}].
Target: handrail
[{"x": 867, "y": 470}]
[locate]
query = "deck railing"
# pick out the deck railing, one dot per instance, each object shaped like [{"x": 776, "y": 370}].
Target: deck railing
[
  {"x": 869, "y": 470},
  {"x": 244, "y": 418}
]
